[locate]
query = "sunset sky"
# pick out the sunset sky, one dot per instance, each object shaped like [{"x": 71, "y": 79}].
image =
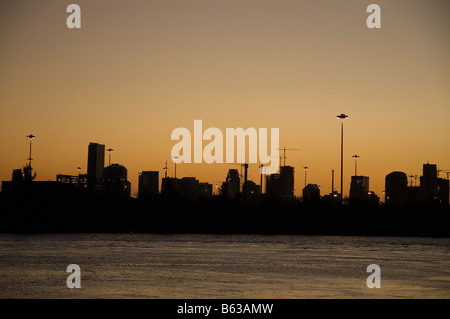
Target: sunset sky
[{"x": 137, "y": 70}]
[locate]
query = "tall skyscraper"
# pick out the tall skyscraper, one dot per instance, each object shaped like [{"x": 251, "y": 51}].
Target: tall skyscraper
[
  {"x": 359, "y": 188},
  {"x": 233, "y": 183},
  {"x": 96, "y": 160},
  {"x": 396, "y": 189},
  {"x": 429, "y": 184},
  {"x": 287, "y": 181},
  {"x": 148, "y": 184},
  {"x": 281, "y": 185}
]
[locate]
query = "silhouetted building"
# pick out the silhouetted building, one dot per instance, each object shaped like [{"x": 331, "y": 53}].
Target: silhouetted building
[
  {"x": 443, "y": 191},
  {"x": 205, "y": 189},
  {"x": 232, "y": 184},
  {"x": 396, "y": 189},
  {"x": 115, "y": 180},
  {"x": 189, "y": 186},
  {"x": 359, "y": 189},
  {"x": 311, "y": 194},
  {"x": 372, "y": 199},
  {"x": 96, "y": 160},
  {"x": 148, "y": 184},
  {"x": 250, "y": 189},
  {"x": 186, "y": 187},
  {"x": 333, "y": 198},
  {"x": 79, "y": 180},
  {"x": 169, "y": 186},
  {"x": 429, "y": 184},
  {"x": 281, "y": 185},
  {"x": 412, "y": 194},
  {"x": 272, "y": 185},
  {"x": 17, "y": 175}
]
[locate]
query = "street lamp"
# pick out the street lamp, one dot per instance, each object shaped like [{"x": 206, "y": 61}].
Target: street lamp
[
  {"x": 30, "y": 137},
  {"x": 109, "y": 151},
  {"x": 306, "y": 168},
  {"x": 356, "y": 163},
  {"x": 342, "y": 117},
  {"x": 79, "y": 170},
  {"x": 175, "y": 158},
  {"x": 261, "y": 178}
]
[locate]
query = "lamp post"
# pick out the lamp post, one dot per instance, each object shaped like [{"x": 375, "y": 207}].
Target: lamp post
[
  {"x": 332, "y": 181},
  {"x": 261, "y": 178},
  {"x": 30, "y": 137},
  {"x": 175, "y": 158},
  {"x": 306, "y": 169},
  {"x": 109, "y": 151},
  {"x": 342, "y": 117},
  {"x": 356, "y": 163}
]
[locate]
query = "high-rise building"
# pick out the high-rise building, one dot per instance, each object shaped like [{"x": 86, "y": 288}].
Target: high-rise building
[
  {"x": 233, "y": 183},
  {"x": 281, "y": 185},
  {"x": 287, "y": 181},
  {"x": 148, "y": 184},
  {"x": 250, "y": 189},
  {"x": 359, "y": 188},
  {"x": 96, "y": 160},
  {"x": 429, "y": 184},
  {"x": 396, "y": 189},
  {"x": 115, "y": 180},
  {"x": 186, "y": 187}
]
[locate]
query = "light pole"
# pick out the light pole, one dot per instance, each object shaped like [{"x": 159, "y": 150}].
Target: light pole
[
  {"x": 165, "y": 168},
  {"x": 79, "y": 170},
  {"x": 175, "y": 158},
  {"x": 261, "y": 179},
  {"x": 306, "y": 169},
  {"x": 109, "y": 151},
  {"x": 332, "y": 181},
  {"x": 356, "y": 163},
  {"x": 30, "y": 137},
  {"x": 342, "y": 117}
]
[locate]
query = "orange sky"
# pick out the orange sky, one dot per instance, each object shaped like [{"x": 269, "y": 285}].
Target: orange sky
[{"x": 136, "y": 70}]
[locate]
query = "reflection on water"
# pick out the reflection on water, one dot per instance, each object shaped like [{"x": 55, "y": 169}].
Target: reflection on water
[{"x": 225, "y": 266}]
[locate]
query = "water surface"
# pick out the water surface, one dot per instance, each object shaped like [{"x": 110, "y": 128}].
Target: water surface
[{"x": 222, "y": 266}]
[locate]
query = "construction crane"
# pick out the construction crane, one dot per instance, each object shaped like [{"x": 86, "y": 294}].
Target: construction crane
[{"x": 284, "y": 149}]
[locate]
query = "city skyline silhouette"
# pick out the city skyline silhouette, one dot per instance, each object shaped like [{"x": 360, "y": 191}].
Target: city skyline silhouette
[
  {"x": 401, "y": 189},
  {"x": 128, "y": 83}
]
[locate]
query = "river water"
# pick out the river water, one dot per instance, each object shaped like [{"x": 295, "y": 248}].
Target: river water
[{"x": 222, "y": 266}]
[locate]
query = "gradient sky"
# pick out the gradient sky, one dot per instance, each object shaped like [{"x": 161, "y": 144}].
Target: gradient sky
[{"x": 136, "y": 70}]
